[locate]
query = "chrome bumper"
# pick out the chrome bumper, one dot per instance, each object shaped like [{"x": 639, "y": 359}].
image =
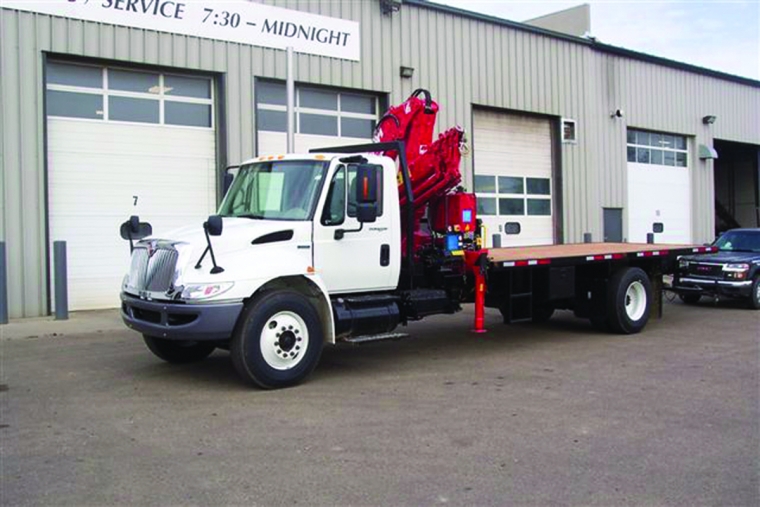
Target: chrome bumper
[{"x": 699, "y": 286}]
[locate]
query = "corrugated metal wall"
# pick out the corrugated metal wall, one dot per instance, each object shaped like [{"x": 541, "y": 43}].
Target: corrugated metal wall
[{"x": 463, "y": 61}]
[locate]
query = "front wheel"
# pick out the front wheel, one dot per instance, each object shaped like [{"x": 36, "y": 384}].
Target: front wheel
[
  {"x": 754, "y": 296},
  {"x": 278, "y": 342},
  {"x": 629, "y": 299},
  {"x": 179, "y": 352}
]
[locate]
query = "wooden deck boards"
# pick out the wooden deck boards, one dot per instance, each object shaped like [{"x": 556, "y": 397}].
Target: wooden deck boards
[{"x": 522, "y": 253}]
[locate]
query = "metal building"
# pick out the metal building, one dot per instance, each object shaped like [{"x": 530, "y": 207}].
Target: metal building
[{"x": 117, "y": 107}]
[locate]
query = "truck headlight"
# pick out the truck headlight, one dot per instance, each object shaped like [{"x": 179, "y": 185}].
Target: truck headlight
[
  {"x": 196, "y": 291},
  {"x": 683, "y": 264},
  {"x": 736, "y": 268}
]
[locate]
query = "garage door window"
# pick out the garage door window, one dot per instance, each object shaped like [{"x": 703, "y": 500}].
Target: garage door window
[
  {"x": 319, "y": 111},
  {"x": 112, "y": 94},
  {"x": 513, "y": 196},
  {"x": 657, "y": 148}
]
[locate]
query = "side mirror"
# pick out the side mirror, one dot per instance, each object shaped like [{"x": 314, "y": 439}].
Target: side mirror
[
  {"x": 134, "y": 229},
  {"x": 366, "y": 184},
  {"x": 214, "y": 225},
  {"x": 366, "y": 212}
]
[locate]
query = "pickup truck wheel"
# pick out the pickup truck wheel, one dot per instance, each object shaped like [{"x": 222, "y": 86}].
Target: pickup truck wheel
[
  {"x": 690, "y": 299},
  {"x": 179, "y": 352},
  {"x": 278, "y": 342},
  {"x": 754, "y": 296},
  {"x": 629, "y": 300}
]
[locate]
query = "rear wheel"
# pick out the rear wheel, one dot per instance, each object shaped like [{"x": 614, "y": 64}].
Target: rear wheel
[
  {"x": 754, "y": 297},
  {"x": 629, "y": 299},
  {"x": 278, "y": 342},
  {"x": 179, "y": 352},
  {"x": 690, "y": 299}
]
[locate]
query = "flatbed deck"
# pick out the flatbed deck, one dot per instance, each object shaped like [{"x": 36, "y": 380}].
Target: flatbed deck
[{"x": 530, "y": 255}]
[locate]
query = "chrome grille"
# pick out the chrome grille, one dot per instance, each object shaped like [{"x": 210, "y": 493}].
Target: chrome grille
[
  {"x": 152, "y": 273},
  {"x": 706, "y": 270}
]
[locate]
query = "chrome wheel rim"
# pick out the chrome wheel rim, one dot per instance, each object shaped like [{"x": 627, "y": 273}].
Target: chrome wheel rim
[{"x": 284, "y": 340}]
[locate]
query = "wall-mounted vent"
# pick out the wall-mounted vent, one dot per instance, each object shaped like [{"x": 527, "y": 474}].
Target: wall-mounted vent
[{"x": 569, "y": 132}]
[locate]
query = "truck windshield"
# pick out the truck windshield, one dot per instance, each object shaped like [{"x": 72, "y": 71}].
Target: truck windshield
[
  {"x": 739, "y": 241},
  {"x": 275, "y": 190}
]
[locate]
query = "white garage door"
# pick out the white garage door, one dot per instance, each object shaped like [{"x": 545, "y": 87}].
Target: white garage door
[
  {"x": 659, "y": 188},
  {"x": 123, "y": 143},
  {"x": 513, "y": 176},
  {"x": 324, "y": 117}
]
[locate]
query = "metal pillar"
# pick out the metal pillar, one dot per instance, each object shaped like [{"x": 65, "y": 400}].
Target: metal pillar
[
  {"x": 60, "y": 278},
  {"x": 290, "y": 87},
  {"x": 3, "y": 285}
]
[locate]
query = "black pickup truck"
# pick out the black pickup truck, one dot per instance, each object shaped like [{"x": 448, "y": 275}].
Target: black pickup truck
[{"x": 733, "y": 271}]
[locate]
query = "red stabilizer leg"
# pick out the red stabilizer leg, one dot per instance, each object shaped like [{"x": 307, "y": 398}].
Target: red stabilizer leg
[{"x": 480, "y": 302}]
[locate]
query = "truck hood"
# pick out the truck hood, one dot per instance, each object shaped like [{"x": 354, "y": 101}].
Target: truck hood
[
  {"x": 724, "y": 257},
  {"x": 247, "y": 248},
  {"x": 238, "y": 234}
]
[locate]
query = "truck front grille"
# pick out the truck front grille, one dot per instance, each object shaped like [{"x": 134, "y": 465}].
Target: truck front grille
[
  {"x": 706, "y": 270},
  {"x": 152, "y": 271}
]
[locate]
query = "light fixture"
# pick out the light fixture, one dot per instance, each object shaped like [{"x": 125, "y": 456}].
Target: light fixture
[
  {"x": 406, "y": 72},
  {"x": 390, "y": 6},
  {"x": 707, "y": 152},
  {"x": 709, "y": 119}
]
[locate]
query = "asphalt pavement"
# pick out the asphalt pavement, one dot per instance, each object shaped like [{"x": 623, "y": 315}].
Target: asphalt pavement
[{"x": 550, "y": 414}]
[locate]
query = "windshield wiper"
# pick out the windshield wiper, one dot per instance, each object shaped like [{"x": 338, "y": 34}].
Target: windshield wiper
[{"x": 250, "y": 215}]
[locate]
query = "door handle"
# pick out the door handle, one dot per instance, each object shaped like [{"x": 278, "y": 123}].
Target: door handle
[{"x": 385, "y": 255}]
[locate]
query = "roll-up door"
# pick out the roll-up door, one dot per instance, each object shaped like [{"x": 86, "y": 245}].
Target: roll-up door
[
  {"x": 513, "y": 176},
  {"x": 659, "y": 188},
  {"x": 120, "y": 143}
]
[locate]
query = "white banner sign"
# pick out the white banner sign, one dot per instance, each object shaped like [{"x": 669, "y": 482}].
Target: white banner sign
[{"x": 228, "y": 20}]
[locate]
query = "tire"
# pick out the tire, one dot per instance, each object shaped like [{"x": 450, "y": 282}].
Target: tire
[
  {"x": 754, "y": 296},
  {"x": 258, "y": 351},
  {"x": 629, "y": 301},
  {"x": 179, "y": 352},
  {"x": 690, "y": 299}
]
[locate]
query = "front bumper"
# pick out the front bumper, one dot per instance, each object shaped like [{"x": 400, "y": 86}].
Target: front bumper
[
  {"x": 180, "y": 321},
  {"x": 687, "y": 285}
]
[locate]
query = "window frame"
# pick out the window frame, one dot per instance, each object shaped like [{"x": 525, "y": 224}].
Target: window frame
[
  {"x": 660, "y": 136},
  {"x": 159, "y": 95},
  {"x": 524, "y": 196},
  {"x": 338, "y": 113}
]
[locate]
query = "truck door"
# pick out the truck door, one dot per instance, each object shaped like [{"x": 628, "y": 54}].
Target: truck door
[{"x": 349, "y": 256}]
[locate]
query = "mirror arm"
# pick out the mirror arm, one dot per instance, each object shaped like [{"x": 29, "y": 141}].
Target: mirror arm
[
  {"x": 339, "y": 233},
  {"x": 203, "y": 256},
  {"x": 209, "y": 249}
]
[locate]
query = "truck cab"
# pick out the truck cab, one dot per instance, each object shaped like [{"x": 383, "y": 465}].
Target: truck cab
[{"x": 296, "y": 229}]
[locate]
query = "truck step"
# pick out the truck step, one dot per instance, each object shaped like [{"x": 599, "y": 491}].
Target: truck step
[{"x": 358, "y": 340}]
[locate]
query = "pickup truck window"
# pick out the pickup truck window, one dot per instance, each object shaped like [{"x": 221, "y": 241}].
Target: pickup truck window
[
  {"x": 739, "y": 241},
  {"x": 275, "y": 190}
]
